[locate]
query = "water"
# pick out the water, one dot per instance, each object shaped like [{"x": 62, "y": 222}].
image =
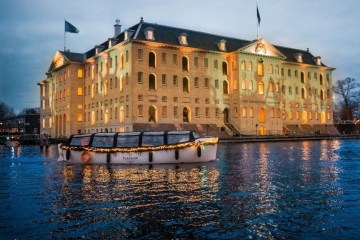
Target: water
[{"x": 290, "y": 190}]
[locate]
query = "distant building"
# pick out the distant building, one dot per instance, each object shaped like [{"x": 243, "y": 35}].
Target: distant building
[
  {"x": 20, "y": 124},
  {"x": 152, "y": 77}
]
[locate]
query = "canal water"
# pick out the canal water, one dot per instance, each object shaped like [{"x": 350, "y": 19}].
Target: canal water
[{"x": 285, "y": 190}]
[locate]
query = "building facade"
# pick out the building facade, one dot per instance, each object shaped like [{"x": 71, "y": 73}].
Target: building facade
[{"x": 152, "y": 76}]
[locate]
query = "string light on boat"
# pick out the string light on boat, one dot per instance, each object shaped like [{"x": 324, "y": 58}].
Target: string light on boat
[{"x": 202, "y": 144}]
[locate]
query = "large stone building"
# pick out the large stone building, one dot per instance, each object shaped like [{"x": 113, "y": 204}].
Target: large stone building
[{"x": 152, "y": 76}]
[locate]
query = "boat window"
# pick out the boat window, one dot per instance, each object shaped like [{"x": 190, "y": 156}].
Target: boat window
[
  {"x": 103, "y": 141},
  {"x": 80, "y": 141},
  {"x": 152, "y": 140},
  {"x": 177, "y": 138},
  {"x": 128, "y": 141}
]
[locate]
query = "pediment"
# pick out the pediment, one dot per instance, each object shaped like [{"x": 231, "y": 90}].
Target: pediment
[
  {"x": 263, "y": 48},
  {"x": 58, "y": 61}
]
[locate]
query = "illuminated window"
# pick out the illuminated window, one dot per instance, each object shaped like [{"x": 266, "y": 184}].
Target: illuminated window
[
  {"x": 249, "y": 68},
  {"x": 185, "y": 64},
  {"x": 270, "y": 68},
  {"x": 225, "y": 87},
  {"x": 80, "y": 91},
  {"x": 79, "y": 106},
  {"x": 122, "y": 115},
  {"x": 283, "y": 115},
  {"x": 43, "y": 123},
  {"x": 186, "y": 85},
  {"x": 261, "y": 115},
  {"x": 236, "y": 84},
  {"x": 260, "y": 68},
  {"x": 121, "y": 83},
  {"x": 260, "y": 88},
  {"x": 328, "y": 115},
  {"x": 297, "y": 115},
  {"x": 152, "y": 60},
  {"x": 244, "y": 111},
  {"x": 243, "y": 65},
  {"x": 251, "y": 112},
  {"x": 250, "y": 85},
  {"x": 106, "y": 87},
  {"x": 243, "y": 84},
  {"x": 80, "y": 73},
  {"x": 79, "y": 117},
  {"x": 271, "y": 86}
]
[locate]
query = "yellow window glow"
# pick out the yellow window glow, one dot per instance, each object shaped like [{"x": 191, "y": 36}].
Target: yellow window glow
[
  {"x": 80, "y": 73},
  {"x": 80, "y": 91}
]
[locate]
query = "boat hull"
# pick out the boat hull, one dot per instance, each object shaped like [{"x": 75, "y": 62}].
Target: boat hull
[{"x": 199, "y": 152}]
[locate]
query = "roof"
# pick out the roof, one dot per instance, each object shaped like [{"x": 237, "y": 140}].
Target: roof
[
  {"x": 195, "y": 39},
  {"x": 76, "y": 57}
]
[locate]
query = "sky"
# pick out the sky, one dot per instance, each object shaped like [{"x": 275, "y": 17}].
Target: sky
[{"x": 33, "y": 30}]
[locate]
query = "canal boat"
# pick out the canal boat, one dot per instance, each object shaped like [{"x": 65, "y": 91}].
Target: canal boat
[{"x": 139, "y": 148}]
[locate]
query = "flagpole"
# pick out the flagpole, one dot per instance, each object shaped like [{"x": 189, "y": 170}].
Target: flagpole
[
  {"x": 64, "y": 37},
  {"x": 257, "y": 24}
]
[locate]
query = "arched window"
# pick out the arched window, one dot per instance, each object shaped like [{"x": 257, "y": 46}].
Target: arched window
[
  {"x": 260, "y": 88},
  {"x": 302, "y": 76},
  {"x": 322, "y": 94},
  {"x": 271, "y": 86},
  {"x": 224, "y": 68},
  {"x": 152, "y": 82},
  {"x": 152, "y": 114},
  {"x": 243, "y": 65},
  {"x": 251, "y": 112},
  {"x": 322, "y": 118},
  {"x": 261, "y": 115},
  {"x": 303, "y": 93},
  {"x": 152, "y": 61},
  {"x": 250, "y": 85},
  {"x": 185, "y": 64},
  {"x": 243, "y": 84},
  {"x": 186, "y": 85},
  {"x": 225, "y": 87},
  {"x": 249, "y": 66},
  {"x": 328, "y": 93},
  {"x": 244, "y": 111},
  {"x": 260, "y": 68},
  {"x": 186, "y": 115}
]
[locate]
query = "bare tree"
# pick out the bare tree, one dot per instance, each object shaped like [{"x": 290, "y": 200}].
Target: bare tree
[
  {"x": 349, "y": 92},
  {"x": 6, "y": 111}
]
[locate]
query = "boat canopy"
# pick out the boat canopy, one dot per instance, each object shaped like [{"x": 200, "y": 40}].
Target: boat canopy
[{"x": 132, "y": 139}]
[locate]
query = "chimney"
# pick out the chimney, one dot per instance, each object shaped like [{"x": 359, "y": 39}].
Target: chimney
[{"x": 117, "y": 28}]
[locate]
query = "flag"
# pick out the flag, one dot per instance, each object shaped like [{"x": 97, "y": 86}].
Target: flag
[
  {"x": 70, "y": 28},
  {"x": 258, "y": 15}
]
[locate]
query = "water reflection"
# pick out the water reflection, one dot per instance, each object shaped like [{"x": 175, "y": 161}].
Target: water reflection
[{"x": 256, "y": 190}]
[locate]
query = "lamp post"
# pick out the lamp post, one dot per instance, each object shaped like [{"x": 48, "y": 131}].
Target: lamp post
[{"x": 256, "y": 126}]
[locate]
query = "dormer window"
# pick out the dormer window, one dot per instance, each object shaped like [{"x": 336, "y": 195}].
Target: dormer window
[
  {"x": 112, "y": 42},
  {"x": 299, "y": 57},
  {"x": 222, "y": 45},
  {"x": 149, "y": 33},
  {"x": 127, "y": 34},
  {"x": 98, "y": 49},
  {"x": 182, "y": 38},
  {"x": 317, "y": 60}
]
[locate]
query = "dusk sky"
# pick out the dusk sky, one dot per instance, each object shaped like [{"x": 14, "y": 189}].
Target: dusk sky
[{"x": 32, "y": 31}]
